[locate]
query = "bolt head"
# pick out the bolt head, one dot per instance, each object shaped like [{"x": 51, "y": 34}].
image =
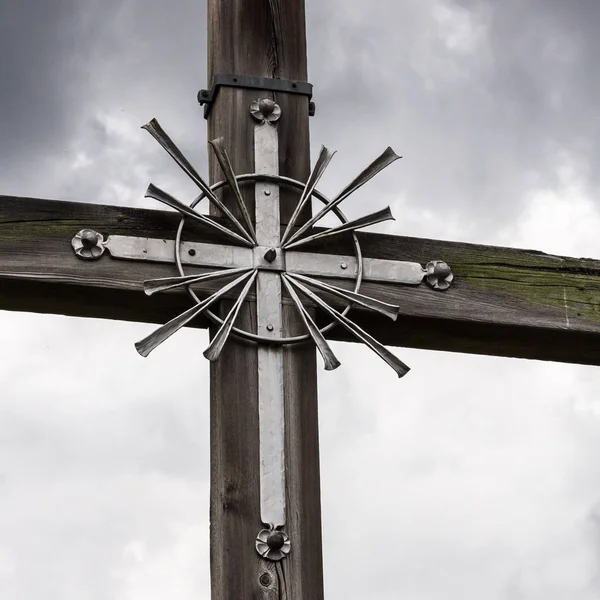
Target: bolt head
[
  {"x": 89, "y": 238},
  {"x": 276, "y": 540},
  {"x": 265, "y": 109},
  {"x": 266, "y": 106},
  {"x": 270, "y": 255},
  {"x": 441, "y": 270},
  {"x": 439, "y": 275}
]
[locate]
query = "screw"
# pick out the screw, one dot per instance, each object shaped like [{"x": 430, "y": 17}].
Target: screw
[
  {"x": 270, "y": 327},
  {"x": 265, "y": 580},
  {"x": 267, "y": 192},
  {"x": 344, "y": 266},
  {"x": 192, "y": 252},
  {"x": 204, "y": 93}
]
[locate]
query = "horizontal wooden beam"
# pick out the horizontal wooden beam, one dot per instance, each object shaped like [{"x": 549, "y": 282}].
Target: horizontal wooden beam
[{"x": 504, "y": 301}]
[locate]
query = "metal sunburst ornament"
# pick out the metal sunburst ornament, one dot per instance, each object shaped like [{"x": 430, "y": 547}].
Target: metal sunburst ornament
[{"x": 242, "y": 233}]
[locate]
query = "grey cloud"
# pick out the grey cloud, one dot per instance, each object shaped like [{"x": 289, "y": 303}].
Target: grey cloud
[
  {"x": 484, "y": 100},
  {"x": 469, "y": 478}
]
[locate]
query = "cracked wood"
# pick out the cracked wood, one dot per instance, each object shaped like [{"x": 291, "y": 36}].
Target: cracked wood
[{"x": 262, "y": 38}]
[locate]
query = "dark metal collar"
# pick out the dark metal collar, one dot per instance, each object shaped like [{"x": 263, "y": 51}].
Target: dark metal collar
[{"x": 250, "y": 82}]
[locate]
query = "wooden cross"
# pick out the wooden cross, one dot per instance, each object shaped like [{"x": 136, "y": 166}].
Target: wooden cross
[{"x": 502, "y": 301}]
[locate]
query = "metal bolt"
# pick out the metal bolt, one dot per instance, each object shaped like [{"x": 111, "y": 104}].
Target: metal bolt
[
  {"x": 89, "y": 238},
  {"x": 276, "y": 540},
  {"x": 192, "y": 252},
  {"x": 439, "y": 275},
  {"x": 270, "y": 255},
  {"x": 270, "y": 327},
  {"x": 264, "y": 109},
  {"x": 344, "y": 266},
  {"x": 441, "y": 270},
  {"x": 266, "y": 106},
  {"x": 267, "y": 192},
  {"x": 265, "y": 580}
]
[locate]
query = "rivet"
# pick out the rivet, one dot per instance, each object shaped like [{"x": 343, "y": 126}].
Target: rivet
[
  {"x": 266, "y": 106},
  {"x": 270, "y": 327},
  {"x": 276, "y": 540},
  {"x": 441, "y": 270},
  {"x": 344, "y": 266},
  {"x": 265, "y": 580},
  {"x": 89, "y": 238},
  {"x": 267, "y": 192},
  {"x": 192, "y": 252},
  {"x": 270, "y": 255}
]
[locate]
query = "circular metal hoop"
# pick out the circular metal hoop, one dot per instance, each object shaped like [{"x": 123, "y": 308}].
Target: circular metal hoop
[{"x": 293, "y": 183}]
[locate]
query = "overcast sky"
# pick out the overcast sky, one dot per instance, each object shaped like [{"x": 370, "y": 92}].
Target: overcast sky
[{"x": 486, "y": 485}]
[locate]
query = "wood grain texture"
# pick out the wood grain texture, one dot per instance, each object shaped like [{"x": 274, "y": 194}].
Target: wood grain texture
[
  {"x": 504, "y": 301},
  {"x": 261, "y": 38}
]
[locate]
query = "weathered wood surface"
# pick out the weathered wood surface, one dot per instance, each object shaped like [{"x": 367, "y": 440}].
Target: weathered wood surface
[
  {"x": 261, "y": 38},
  {"x": 504, "y": 301}
]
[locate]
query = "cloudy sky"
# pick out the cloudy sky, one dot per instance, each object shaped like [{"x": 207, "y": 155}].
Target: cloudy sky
[{"x": 486, "y": 485}]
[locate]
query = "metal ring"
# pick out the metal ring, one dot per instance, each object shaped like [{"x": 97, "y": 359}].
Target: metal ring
[{"x": 280, "y": 179}]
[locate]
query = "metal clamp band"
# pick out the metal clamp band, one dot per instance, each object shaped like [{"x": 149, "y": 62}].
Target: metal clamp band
[{"x": 206, "y": 98}]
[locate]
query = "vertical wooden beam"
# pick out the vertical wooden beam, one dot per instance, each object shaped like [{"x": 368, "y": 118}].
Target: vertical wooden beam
[{"x": 262, "y": 38}]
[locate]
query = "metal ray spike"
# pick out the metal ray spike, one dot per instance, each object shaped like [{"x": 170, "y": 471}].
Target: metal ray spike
[
  {"x": 380, "y": 163},
  {"x": 149, "y": 343},
  {"x": 329, "y": 358},
  {"x": 396, "y": 364},
  {"x": 323, "y": 161},
  {"x": 153, "y": 286},
  {"x": 223, "y": 158},
  {"x": 377, "y": 217},
  {"x": 218, "y": 342},
  {"x": 161, "y": 136},
  {"x": 389, "y": 310},
  {"x": 162, "y": 196}
]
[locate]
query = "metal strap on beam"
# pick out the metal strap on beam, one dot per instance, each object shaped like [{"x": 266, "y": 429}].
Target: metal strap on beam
[{"x": 206, "y": 98}]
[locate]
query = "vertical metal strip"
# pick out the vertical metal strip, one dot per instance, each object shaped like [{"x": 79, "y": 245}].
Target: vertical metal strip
[{"x": 269, "y": 322}]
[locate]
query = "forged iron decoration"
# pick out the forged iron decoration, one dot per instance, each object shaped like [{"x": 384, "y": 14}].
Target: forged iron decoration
[
  {"x": 260, "y": 258},
  {"x": 273, "y": 259}
]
